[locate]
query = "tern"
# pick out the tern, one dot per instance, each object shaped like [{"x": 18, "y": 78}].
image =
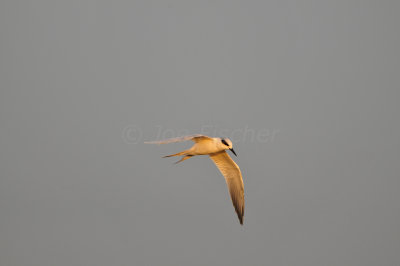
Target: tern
[{"x": 216, "y": 149}]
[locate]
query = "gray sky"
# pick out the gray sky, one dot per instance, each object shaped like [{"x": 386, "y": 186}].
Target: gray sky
[{"x": 308, "y": 90}]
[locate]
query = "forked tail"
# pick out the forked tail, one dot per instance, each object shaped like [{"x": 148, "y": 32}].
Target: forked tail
[
  {"x": 183, "y": 153},
  {"x": 176, "y": 154}
]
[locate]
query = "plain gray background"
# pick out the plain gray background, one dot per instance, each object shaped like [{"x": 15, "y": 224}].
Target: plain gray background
[{"x": 84, "y": 83}]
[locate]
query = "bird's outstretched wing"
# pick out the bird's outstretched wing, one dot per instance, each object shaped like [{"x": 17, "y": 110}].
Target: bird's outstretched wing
[
  {"x": 233, "y": 177},
  {"x": 195, "y": 138}
]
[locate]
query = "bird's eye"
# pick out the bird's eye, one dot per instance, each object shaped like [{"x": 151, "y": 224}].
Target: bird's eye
[{"x": 224, "y": 142}]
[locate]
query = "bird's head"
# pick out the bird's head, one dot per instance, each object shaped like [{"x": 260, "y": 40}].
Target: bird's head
[{"x": 227, "y": 144}]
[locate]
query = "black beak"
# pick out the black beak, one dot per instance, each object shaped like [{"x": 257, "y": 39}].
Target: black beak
[{"x": 233, "y": 152}]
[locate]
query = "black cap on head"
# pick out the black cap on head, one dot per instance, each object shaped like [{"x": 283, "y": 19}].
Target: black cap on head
[{"x": 224, "y": 142}]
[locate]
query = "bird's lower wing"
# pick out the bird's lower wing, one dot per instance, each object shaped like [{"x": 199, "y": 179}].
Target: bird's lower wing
[
  {"x": 233, "y": 177},
  {"x": 195, "y": 138}
]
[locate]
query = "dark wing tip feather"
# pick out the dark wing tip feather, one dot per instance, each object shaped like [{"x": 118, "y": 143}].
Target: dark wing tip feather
[
  {"x": 238, "y": 207},
  {"x": 240, "y": 214},
  {"x": 240, "y": 219}
]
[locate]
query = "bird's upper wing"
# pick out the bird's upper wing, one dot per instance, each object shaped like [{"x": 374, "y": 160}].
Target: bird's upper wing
[
  {"x": 195, "y": 138},
  {"x": 233, "y": 177}
]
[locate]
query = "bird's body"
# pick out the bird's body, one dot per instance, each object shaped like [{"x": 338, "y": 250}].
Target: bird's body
[
  {"x": 206, "y": 146},
  {"x": 215, "y": 148}
]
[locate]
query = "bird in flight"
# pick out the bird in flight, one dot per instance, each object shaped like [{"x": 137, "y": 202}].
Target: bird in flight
[{"x": 216, "y": 149}]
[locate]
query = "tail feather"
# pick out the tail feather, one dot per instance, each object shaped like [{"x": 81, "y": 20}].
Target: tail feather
[
  {"x": 182, "y": 153},
  {"x": 184, "y": 158},
  {"x": 176, "y": 154}
]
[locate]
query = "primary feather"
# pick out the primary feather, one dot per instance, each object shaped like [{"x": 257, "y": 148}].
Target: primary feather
[
  {"x": 233, "y": 177},
  {"x": 195, "y": 138}
]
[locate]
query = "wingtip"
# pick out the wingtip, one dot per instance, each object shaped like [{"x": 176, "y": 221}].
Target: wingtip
[
  {"x": 241, "y": 217},
  {"x": 152, "y": 142}
]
